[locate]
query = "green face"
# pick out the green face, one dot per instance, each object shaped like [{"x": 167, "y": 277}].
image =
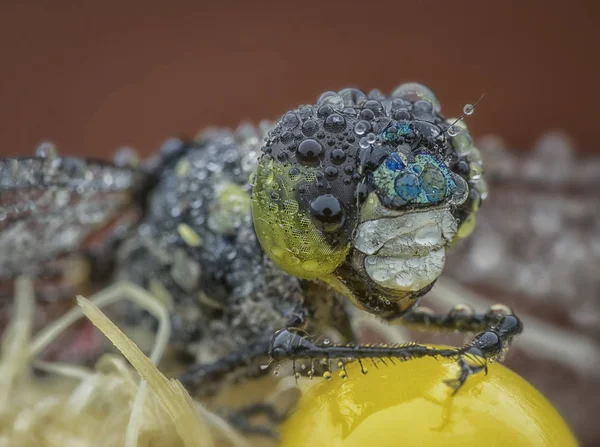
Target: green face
[{"x": 365, "y": 193}]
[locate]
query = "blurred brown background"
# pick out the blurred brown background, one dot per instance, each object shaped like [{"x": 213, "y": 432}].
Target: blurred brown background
[{"x": 93, "y": 76}]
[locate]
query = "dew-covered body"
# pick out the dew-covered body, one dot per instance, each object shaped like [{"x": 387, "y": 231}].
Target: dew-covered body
[
  {"x": 353, "y": 201},
  {"x": 196, "y": 248}
]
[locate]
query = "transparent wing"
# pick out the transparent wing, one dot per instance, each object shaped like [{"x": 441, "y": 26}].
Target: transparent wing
[{"x": 52, "y": 205}]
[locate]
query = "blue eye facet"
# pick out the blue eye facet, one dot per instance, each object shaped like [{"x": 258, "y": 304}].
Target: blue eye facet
[
  {"x": 434, "y": 184},
  {"x": 407, "y": 186}
]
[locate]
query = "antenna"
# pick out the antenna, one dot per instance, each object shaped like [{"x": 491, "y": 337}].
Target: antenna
[{"x": 468, "y": 109}]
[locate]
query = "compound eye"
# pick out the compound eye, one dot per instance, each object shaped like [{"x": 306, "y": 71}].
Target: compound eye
[
  {"x": 327, "y": 213},
  {"x": 434, "y": 184}
]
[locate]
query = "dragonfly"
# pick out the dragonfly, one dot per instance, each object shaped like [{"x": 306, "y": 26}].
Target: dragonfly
[{"x": 258, "y": 240}]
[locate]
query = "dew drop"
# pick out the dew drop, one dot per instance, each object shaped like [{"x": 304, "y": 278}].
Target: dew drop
[
  {"x": 305, "y": 112},
  {"x": 331, "y": 99},
  {"x": 337, "y": 156},
  {"x": 335, "y": 123},
  {"x": 375, "y": 106},
  {"x": 352, "y": 96},
  {"x": 343, "y": 374},
  {"x": 327, "y": 213},
  {"x": 468, "y": 109},
  {"x": 413, "y": 91},
  {"x": 290, "y": 121},
  {"x": 46, "y": 150},
  {"x": 327, "y": 375},
  {"x": 309, "y": 152},
  {"x": 367, "y": 115},
  {"x": 326, "y": 342},
  {"x": 371, "y": 138},
  {"x": 325, "y": 111},
  {"x": 362, "y": 127},
  {"x": 331, "y": 172},
  {"x": 309, "y": 128}
]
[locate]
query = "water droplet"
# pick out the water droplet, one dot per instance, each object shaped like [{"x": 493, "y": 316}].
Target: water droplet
[
  {"x": 337, "y": 156},
  {"x": 374, "y": 106},
  {"x": 335, "y": 123},
  {"x": 340, "y": 364},
  {"x": 327, "y": 213},
  {"x": 327, "y": 375},
  {"x": 289, "y": 121},
  {"x": 326, "y": 342},
  {"x": 352, "y": 96},
  {"x": 297, "y": 375},
  {"x": 309, "y": 152},
  {"x": 46, "y": 150},
  {"x": 305, "y": 112},
  {"x": 343, "y": 374},
  {"x": 363, "y": 143},
  {"x": 331, "y": 172},
  {"x": 325, "y": 111},
  {"x": 413, "y": 92},
  {"x": 331, "y": 99},
  {"x": 362, "y": 127},
  {"x": 422, "y": 106},
  {"x": 309, "y": 128},
  {"x": 367, "y": 115},
  {"x": 371, "y": 138},
  {"x": 468, "y": 109}
]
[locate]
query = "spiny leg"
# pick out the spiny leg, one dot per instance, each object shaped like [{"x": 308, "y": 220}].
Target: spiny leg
[
  {"x": 206, "y": 378},
  {"x": 472, "y": 358},
  {"x": 461, "y": 318},
  {"x": 246, "y": 361}
]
